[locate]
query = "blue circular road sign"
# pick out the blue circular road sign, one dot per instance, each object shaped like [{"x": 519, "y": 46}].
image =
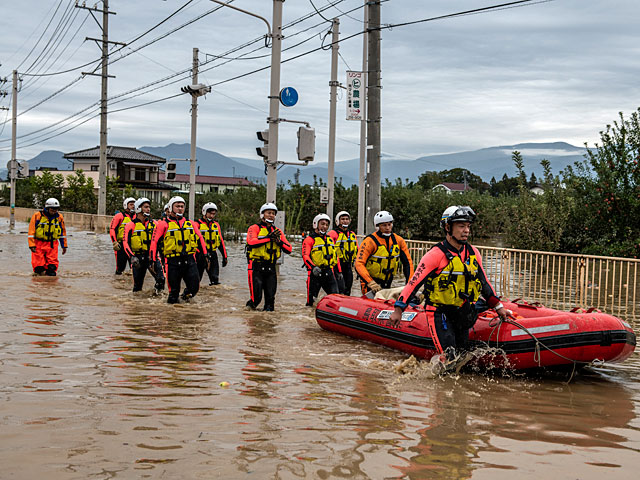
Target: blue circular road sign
[{"x": 288, "y": 96}]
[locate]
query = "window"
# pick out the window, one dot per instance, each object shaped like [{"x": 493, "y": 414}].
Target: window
[
  {"x": 94, "y": 168},
  {"x": 142, "y": 174}
]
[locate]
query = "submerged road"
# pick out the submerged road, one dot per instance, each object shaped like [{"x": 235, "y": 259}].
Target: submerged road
[{"x": 96, "y": 382}]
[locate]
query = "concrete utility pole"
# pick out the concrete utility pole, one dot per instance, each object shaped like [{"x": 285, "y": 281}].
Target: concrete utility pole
[
  {"x": 14, "y": 131},
  {"x": 194, "y": 128},
  {"x": 274, "y": 102},
  {"x": 332, "y": 112},
  {"x": 102, "y": 165},
  {"x": 373, "y": 113},
  {"x": 362, "y": 184}
]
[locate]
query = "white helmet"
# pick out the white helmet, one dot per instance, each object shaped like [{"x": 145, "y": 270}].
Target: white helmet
[
  {"x": 138, "y": 205},
  {"x": 267, "y": 206},
  {"x": 126, "y": 202},
  {"x": 320, "y": 216},
  {"x": 173, "y": 200},
  {"x": 341, "y": 214},
  {"x": 382, "y": 217},
  {"x": 457, "y": 213},
  {"x": 52, "y": 203},
  {"x": 209, "y": 206},
  {"x": 166, "y": 207}
]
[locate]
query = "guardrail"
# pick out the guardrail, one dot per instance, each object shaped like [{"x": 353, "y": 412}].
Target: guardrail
[{"x": 558, "y": 280}]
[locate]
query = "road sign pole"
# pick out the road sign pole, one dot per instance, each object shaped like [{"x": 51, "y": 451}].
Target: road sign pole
[
  {"x": 332, "y": 112},
  {"x": 362, "y": 187},
  {"x": 13, "y": 170}
]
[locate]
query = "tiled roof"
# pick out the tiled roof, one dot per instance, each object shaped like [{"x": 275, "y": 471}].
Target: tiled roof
[
  {"x": 115, "y": 153},
  {"x": 208, "y": 180}
]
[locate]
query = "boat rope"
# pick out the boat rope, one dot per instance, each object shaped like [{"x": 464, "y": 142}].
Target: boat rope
[{"x": 537, "y": 352}]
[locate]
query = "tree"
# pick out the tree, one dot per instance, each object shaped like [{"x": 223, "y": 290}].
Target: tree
[
  {"x": 79, "y": 195},
  {"x": 46, "y": 186}
]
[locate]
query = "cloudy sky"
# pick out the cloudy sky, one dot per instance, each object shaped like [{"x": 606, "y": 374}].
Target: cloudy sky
[{"x": 549, "y": 71}]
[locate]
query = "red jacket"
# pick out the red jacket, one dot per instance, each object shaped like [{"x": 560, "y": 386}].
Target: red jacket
[{"x": 162, "y": 227}]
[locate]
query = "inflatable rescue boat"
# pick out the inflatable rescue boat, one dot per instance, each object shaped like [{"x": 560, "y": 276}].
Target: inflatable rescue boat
[{"x": 536, "y": 336}]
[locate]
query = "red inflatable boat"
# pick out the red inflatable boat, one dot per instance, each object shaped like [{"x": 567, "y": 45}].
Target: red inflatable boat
[{"x": 538, "y": 337}]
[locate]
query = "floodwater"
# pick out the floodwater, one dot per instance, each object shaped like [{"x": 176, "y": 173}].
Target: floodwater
[{"x": 98, "y": 383}]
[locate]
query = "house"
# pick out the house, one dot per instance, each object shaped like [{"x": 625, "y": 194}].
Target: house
[
  {"x": 451, "y": 187},
  {"x": 537, "y": 189},
  {"x": 129, "y": 166},
  {"x": 208, "y": 183}
]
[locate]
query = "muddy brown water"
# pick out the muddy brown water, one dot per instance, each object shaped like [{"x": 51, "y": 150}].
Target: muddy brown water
[{"x": 96, "y": 382}]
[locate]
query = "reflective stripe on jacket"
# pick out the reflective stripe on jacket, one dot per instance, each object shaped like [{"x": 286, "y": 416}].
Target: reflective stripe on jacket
[{"x": 383, "y": 263}]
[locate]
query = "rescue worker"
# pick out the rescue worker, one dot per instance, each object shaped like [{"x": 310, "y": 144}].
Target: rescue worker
[
  {"x": 380, "y": 254},
  {"x": 179, "y": 238},
  {"x": 453, "y": 279},
  {"x": 116, "y": 232},
  {"x": 347, "y": 245},
  {"x": 320, "y": 256},
  {"x": 137, "y": 243},
  {"x": 165, "y": 211},
  {"x": 265, "y": 244},
  {"x": 46, "y": 229},
  {"x": 212, "y": 235}
]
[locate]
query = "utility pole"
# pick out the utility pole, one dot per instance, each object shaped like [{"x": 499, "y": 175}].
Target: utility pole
[
  {"x": 335, "y": 26},
  {"x": 373, "y": 113},
  {"x": 194, "y": 123},
  {"x": 274, "y": 102},
  {"x": 102, "y": 166},
  {"x": 14, "y": 161},
  {"x": 362, "y": 184}
]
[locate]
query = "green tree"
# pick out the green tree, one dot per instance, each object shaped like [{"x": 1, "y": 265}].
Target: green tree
[
  {"x": 79, "y": 195},
  {"x": 46, "y": 186}
]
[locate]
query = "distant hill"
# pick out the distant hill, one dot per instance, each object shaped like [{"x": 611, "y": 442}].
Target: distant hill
[
  {"x": 209, "y": 162},
  {"x": 486, "y": 162}
]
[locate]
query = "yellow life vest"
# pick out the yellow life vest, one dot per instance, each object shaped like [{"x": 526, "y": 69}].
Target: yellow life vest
[
  {"x": 179, "y": 240},
  {"x": 383, "y": 263},
  {"x": 456, "y": 283},
  {"x": 211, "y": 234},
  {"x": 347, "y": 246},
  {"x": 141, "y": 236},
  {"x": 269, "y": 251},
  {"x": 126, "y": 218},
  {"x": 323, "y": 253},
  {"x": 48, "y": 229}
]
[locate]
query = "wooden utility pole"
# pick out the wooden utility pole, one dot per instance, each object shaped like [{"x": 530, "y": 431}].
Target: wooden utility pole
[{"x": 373, "y": 113}]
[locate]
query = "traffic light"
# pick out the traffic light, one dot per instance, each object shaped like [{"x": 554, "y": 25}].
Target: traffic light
[
  {"x": 171, "y": 170},
  {"x": 22, "y": 169},
  {"x": 196, "y": 90},
  {"x": 306, "y": 144},
  {"x": 264, "y": 137}
]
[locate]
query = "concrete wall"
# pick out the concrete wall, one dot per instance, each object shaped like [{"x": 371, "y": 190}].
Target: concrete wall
[{"x": 83, "y": 221}]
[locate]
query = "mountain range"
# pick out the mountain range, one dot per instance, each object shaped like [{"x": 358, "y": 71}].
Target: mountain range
[{"x": 486, "y": 163}]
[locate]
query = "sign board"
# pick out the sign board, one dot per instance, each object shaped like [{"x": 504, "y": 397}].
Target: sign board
[
  {"x": 355, "y": 95},
  {"x": 324, "y": 195},
  {"x": 288, "y": 96}
]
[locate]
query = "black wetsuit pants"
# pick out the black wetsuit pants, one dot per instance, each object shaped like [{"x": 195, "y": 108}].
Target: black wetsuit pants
[
  {"x": 452, "y": 327},
  {"x": 178, "y": 269},
  {"x": 326, "y": 280},
  {"x": 214, "y": 267},
  {"x": 262, "y": 279},
  {"x": 344, "y": 285},
  {"x": 121, "y": 260},
  {"x": 140, "y": 271}
]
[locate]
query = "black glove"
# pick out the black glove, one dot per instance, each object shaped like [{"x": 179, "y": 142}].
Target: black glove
[
  {"x": 339, "y": 277},
  {"x": 224, "y": 262},
  {"x": 316, "y": 271},
  {"x": 135, "y": 262}
]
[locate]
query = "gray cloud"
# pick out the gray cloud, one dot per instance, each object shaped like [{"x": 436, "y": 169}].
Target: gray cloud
[{"x": 553, "y": 71}]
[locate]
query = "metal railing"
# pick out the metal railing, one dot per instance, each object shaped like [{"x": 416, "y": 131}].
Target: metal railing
[{"x": 559, "y": 280}]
